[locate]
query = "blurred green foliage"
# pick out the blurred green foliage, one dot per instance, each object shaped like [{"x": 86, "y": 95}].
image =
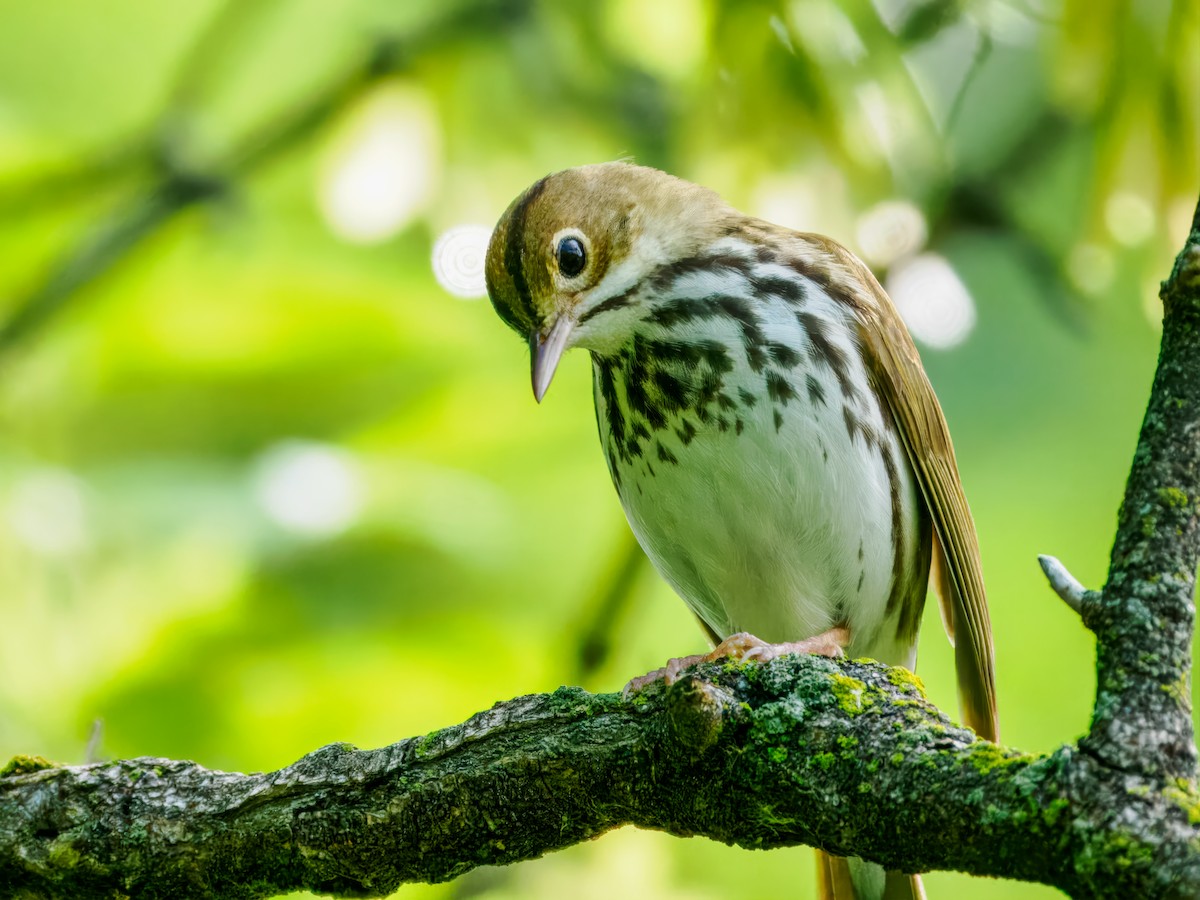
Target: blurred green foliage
[{"x": 264, "y": 485}]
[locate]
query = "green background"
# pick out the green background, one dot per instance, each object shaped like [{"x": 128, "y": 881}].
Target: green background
[{"x": 146, "y": 583}]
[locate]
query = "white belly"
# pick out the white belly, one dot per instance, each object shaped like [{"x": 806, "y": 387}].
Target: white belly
[{"x": 783, "y": 529}]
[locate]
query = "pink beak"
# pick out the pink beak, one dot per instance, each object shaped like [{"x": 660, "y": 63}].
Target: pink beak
[{"x": 545, "y": 353}]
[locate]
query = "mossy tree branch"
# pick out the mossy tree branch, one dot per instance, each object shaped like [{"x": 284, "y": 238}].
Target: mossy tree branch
[
  {"x": 1145, "y": 616},
  {"x": 801, "y": 751},
  {"x": 847, "y": 756}
]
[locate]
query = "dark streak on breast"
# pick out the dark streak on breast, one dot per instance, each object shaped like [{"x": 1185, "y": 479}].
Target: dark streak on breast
[
  {"x": 816, "y": 393},
  {"x": 783, "y": 355},
  {"x": 899, "y": 587},
  {"x": 790, "y": 289},
  {"x": 827, "y": 352},
  {"x": 665, "y": 277},
  {"x": 779, "y": 389}
]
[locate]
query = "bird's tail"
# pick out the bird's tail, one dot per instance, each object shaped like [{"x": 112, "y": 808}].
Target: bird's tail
[{"x": 839, "y": 878}]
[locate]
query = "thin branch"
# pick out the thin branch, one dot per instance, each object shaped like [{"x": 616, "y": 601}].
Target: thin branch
[
  {"x": 100, "y": 250},
  {"x": 612, "y": 595},
  {"x": 145, "y": 152},
  {"x": 1066, "y": 585},
  {"x": 178, "y": 186},
  {"x": 207, "y": 55}
]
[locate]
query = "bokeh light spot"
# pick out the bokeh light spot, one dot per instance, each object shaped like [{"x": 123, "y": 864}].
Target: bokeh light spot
[
  {"x": 1129, "y": 217},
  {"x": 826, "y": 31},
  {"x": 382, "y": 170},
  {"x": 935, "y": 304},
  {"x": 890, "y": 231},
  {"x": 308, "y": 488},
  {"x": 458, "y": 260},
  {"x": 47, "y": 512},
  {"x": 1091, "y": 268},
  {"x": 668, "y": 37}
]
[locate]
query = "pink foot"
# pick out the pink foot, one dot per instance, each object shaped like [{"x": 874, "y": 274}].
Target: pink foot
[
  {"x": 744, "y": 647},
  {"x": 668, "y": 674}
]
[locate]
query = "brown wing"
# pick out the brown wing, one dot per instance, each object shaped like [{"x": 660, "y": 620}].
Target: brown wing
[
  {"x": 940, "y": 579},
  {"x": 901, "y": 381}
]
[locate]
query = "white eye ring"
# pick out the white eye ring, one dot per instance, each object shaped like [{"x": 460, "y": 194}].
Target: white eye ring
[{"x": 571, "y": 252}]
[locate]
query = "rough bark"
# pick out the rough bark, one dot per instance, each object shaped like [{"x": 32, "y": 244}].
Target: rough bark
[{"x": 848, "y": 756}]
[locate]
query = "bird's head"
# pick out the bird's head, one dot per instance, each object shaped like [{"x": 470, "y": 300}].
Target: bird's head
[{"x": 575, "y": 245}]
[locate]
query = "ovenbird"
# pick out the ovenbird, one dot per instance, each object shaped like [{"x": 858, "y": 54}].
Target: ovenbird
[{"x": 772, "y": 435}]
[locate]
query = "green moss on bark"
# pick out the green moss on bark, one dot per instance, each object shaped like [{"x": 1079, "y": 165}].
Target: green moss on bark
[{"x": 22, "y": 765}]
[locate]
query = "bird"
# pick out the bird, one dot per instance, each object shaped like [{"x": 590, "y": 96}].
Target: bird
[{"x": 776, "y": 445}]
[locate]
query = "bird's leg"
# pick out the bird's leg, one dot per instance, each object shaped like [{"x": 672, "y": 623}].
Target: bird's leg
[{"x": 743, "y": 647}]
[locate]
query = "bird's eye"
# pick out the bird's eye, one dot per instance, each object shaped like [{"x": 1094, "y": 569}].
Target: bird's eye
[{"x": 570, "y": 256}]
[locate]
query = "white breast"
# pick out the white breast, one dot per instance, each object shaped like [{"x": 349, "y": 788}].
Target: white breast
[{"x": 774, "y": 515}]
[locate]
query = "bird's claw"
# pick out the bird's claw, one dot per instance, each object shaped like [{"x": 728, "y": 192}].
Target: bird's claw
[
  {"x": 668, "y": 674},
  {"x": 744, "y": 647}
]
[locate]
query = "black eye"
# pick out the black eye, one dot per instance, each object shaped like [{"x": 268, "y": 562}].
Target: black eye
[{"x": 570, "y": 256}]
